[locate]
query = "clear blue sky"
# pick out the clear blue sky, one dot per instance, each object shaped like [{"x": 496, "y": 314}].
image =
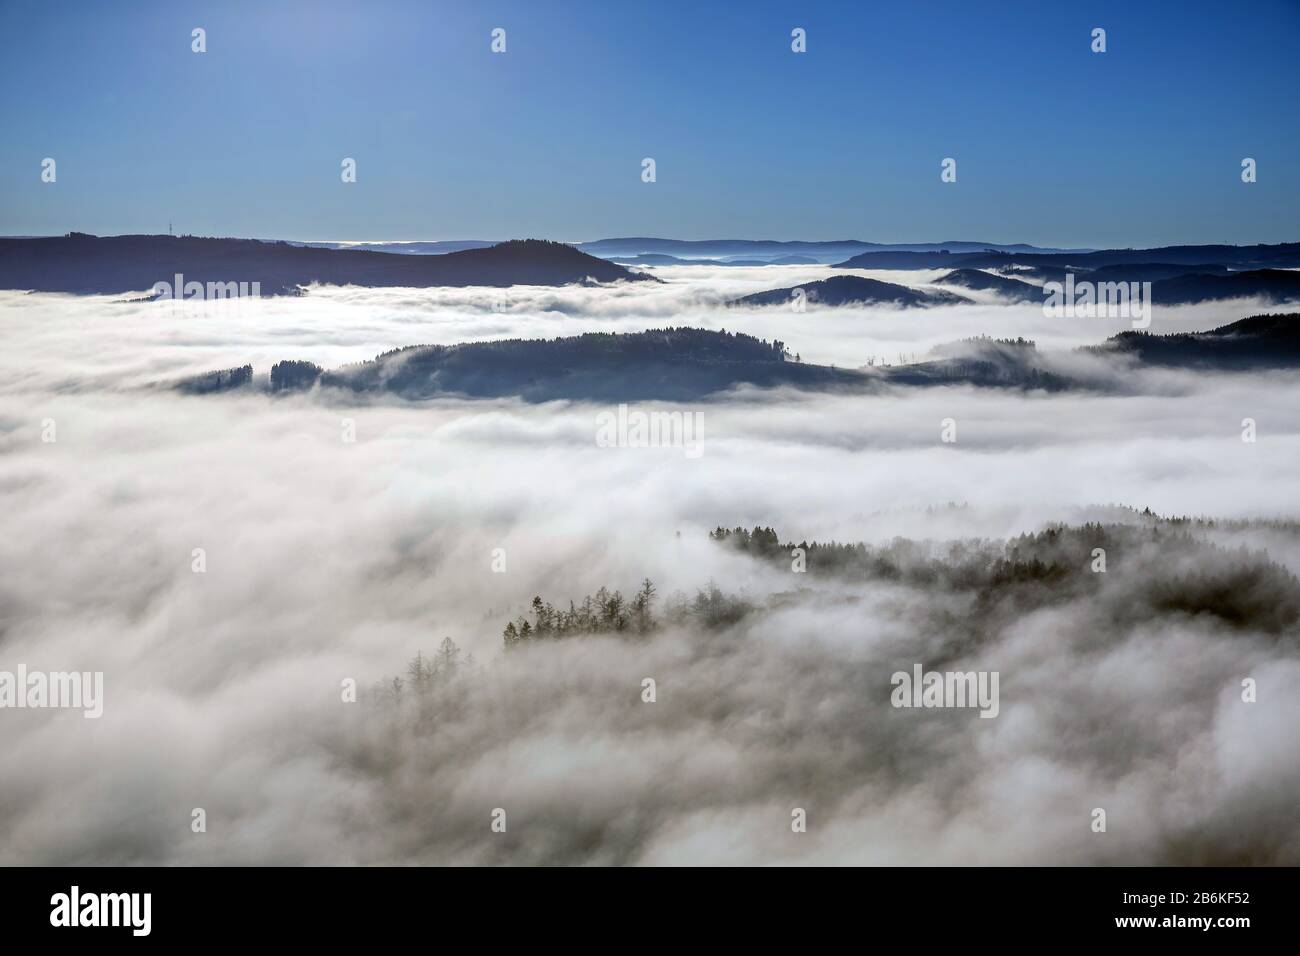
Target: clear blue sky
[{"x": 1055, "y": 145}]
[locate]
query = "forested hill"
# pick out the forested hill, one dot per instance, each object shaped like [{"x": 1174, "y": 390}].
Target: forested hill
[
  {"x": 85, "y": 264},
  {"x": 665, "y": 364},
  {"x": 1256, "y": 342},
  {"x": 679, "y": 364},
  {"x": 850, "y": 290}
]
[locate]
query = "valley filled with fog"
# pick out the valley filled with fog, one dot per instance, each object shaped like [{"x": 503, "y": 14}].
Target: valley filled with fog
[{"x": 328, "y": 560}]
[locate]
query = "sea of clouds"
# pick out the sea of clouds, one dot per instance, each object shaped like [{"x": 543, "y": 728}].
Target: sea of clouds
[{"x": 328, "y": 560}]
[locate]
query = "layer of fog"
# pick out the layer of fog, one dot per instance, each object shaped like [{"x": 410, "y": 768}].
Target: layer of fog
[
  {"x": 104, "y": 340},
  {"x": 328, "y": 560}
]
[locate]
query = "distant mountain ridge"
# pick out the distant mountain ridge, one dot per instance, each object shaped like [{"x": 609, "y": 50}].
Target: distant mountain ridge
[
  {"x": 436, "y": 247},
  {"x": 663, "y": 259},
  {"x": 85, "y": 264},
  {"x": 647, "y": 250},
  {"x": 1278, "y": 256},
  {"x": 823, "y": 251},
  {"x": 1272, "y": 285}
]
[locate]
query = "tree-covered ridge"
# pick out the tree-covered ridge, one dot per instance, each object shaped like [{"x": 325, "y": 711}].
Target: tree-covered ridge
[
  {"x": 843, "y": 290},
  {"x": 1258, "y": 341},
  {"x": 1157, "y": 572},
  {"x": 82, "y": 263},
  {"x": 1239, "y": 587},
  {"x": 794, "y": 698},
  {"x": 688, "y": 364},
  {"x": 667, "y": 364},
  {"x": 221, "y": 380},
  {"x": 1010, "y": 288},
  {"x": 604, "y": 613},
  {"x": 609, "y": 612},
  {"x": 705, "y": 345}
]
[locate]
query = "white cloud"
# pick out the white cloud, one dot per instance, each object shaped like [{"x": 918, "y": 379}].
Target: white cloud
[{"x": 327, "y": 560}]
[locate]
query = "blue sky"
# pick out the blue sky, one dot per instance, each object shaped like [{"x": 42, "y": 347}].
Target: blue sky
[{"x": 1055, "y": 145}]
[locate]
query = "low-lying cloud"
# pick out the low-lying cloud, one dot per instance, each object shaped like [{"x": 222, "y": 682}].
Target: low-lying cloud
[{"x": 327, "y": 559}]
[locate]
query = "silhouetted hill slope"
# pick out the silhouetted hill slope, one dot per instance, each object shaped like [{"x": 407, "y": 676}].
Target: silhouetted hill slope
[
  {"x": 1151, "y": 272},
  {"x": 936, "y": 259},
  {"x": 662, "y": 259},
  {"x": 849, "y": 290},
  {"x": 1042, "y": 273},
  {"x": 1235, "y": 588},
  {"x": 88, "y": 264},
  {"x": 675, "y": 364},
  {"x": 1279, "y": 256},
  {"x": 833, "y": 250},
  {"x": 681, "y": 364},
  {"x": 1257, "y": 342},
  {"x": 1008, "y": 288},
  {"x": 1260, "y": 341},
  {"x": 224, "y": 380},
  {"x": 983, "y": 362},
  {"x": 667, "y": 364},
  {"x": 943, "y": 259},
  {"x": 1273, "y": 285},
  {"x": 437, "y": 247},
  {"x": 659, "y": 259}
]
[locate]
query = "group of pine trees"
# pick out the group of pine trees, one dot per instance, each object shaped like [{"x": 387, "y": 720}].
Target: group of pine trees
[
  {"x": 1192, "y": 576},
  {"x": 1238, "y": 587},
  {"x": 762, "y": 542},
  {"x": 609, "y": 612},
  {"x": 604, "y": 612},
  {"x": 425, "y": 674}
]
